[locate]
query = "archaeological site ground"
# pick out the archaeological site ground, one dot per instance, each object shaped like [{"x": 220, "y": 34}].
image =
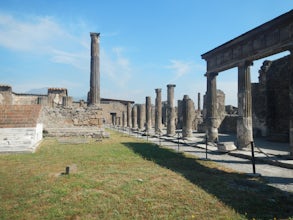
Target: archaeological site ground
[{"x": 104, "y": 158}]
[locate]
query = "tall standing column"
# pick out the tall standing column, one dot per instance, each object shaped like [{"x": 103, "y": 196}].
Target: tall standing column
[
  {"x": 291, "y": 102},
  {"x": 244, "y": 122},
  {"x": 129, "y": 114},
  {"x": 187, "y": 112},
  {"x": 198, "y": 102},
  {"x": 134, "y": 116},
  {"x": 158, "y": 111},
  {"x": 141, "y": 116},
  {"x": 123, "y": 119},
  {"x": 94, "y": 93},
  {"x": 148, "y": 115},
  {"x": 211, "y": 107},
  {"x": 170, "y": 110}
]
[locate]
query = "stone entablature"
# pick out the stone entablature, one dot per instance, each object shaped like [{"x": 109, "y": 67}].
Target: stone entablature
[{"x": 267, "y": 39}]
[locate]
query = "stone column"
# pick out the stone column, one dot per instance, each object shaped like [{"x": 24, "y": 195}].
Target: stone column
[
  {"x": 141, "y": 116},
  {"x": 123, "y": 119},
  {"x": 244, "y": 121},
  {"x": 158, "y": 111},
  {"x": 134, "y": 116},
  {"x": 291, "y": 102},
  {"x": 113, "y": 118},
  {"x": 94, "y": 93},
  {"x": 170, "y": 110},
  {"x": 187, "y": 112},
  {"x": 129, "y": 114},
  {"x": 211, "y": 107},
  {"x": 148, "y": 115},
  {"x": 198, "y": 102}
]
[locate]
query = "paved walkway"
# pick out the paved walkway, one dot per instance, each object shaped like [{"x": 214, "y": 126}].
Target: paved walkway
[{"x": 271, "y": 158}]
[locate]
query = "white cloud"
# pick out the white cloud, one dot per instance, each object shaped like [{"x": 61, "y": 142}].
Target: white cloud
[
  {"x": 116, "y": 67},
  {"x": 43, "y": 36},
  {"x": 181, "y": 68}
]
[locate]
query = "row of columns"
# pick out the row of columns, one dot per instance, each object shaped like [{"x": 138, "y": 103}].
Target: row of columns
[
  {"x": 244, "y": 121},
  {"x": 140, "y": 115}
]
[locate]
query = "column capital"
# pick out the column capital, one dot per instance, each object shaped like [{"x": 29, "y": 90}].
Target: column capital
[
  {"x": 211, "y": 74},
  {"x": 158, "y": 90},
  {"x": 171, "y": 85},
  {"x": 93, "y": 34},
  {"x": 245, "y": 63}
]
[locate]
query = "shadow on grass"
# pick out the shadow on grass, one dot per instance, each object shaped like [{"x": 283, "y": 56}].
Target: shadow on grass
[{"x": 250, "y": 197}]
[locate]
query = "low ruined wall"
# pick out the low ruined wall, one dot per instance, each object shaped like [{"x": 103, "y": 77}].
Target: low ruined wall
[{"x": 64, "y": 117}]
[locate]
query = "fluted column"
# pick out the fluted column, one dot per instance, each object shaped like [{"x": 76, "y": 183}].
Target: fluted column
[
  {"x": 187, "y": 112},
  {"x": 244, "y": 122},
  {"x": 128, "y": 114},
  {"x": 198, "y": 102},
  {"x": 94, "y": 93},
  {"x": 211, "y": 105},
  {"x": 134, "y": 116},
  {"x": 170, "y": 110},
  {"x": 291, "y": 102},
  {"x": 158, "y": 111},
  {"x": 141, "y": 116},
  {"x": 148, "y": 115}
]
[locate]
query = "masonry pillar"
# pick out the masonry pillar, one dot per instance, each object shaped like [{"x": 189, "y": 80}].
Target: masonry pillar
[
  {"x": 291, "y": 102},
  {"x": 123, "y": 119},
  {"x": 141, "y": 116},
  {"x": 158, "y": 111},
  {"x": 134, "y": 116},
  {"x": 129, "y": 114},
  {"x": 66, "y": 101},
  {"x": 198, "y": 102},
  {"x": 113, "y": 118},
  {"x": 148, "y": 115},
  {"x": 211, "y": 107},
  {"x": 244, "y": 121},
  {"x": 94, "y": 93},
  {"x": 170, "y": 110},
  {"x": 187, "y": 113}
]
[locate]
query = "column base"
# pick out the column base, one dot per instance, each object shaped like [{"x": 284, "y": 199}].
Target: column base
[
  {"x": 212, "y": 134},
  {"x": 244, "y": 132}
]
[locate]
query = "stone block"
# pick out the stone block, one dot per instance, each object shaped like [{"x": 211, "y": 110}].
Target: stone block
[{"x": 226, "y": 146}]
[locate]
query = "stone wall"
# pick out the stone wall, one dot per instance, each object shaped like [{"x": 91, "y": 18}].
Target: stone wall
[{"x": 270, "y": 100}]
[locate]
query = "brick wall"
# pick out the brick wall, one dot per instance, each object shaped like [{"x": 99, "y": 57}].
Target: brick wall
[{"x": 19, "y": 116}]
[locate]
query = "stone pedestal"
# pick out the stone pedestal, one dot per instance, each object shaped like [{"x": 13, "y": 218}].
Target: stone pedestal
[
  {"x": 158, "y": 111},
  {"x": 211, "y": 105},
  {"x": 148, "y": 115},
  {"x": 170, "y": 110},
  {"x": 244, "y": 122}
]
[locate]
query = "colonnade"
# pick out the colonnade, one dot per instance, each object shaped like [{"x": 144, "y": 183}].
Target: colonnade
[{"x": 139, "y": 116}]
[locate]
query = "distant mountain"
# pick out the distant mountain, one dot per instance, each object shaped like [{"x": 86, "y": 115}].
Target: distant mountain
[{"x": 40, "y": 91}]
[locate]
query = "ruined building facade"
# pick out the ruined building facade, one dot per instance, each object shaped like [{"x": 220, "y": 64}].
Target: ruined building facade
[{"x": 270, "y": 100}]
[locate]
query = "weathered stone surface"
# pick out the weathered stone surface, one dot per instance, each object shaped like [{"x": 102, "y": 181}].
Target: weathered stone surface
[
  {"x": 226, "y": 146},
  {"x": 170, "y": 110},
  {"x": 94, "y": 93}
]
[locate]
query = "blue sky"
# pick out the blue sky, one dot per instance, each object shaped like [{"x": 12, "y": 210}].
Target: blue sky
[{"x": 145, "y": 44}]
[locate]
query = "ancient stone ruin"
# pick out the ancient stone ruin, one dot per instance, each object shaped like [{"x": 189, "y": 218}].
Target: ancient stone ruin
[
  {"x": 270, "y": 38},
  {"x": 264, "y": 108}
]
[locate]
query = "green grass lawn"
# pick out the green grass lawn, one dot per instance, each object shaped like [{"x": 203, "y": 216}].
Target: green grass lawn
[{"x": 126, "y": 178}]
